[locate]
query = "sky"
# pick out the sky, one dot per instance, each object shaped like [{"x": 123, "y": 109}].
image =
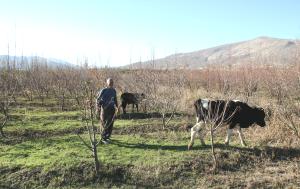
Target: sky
[{"x": 119, "y": 32}]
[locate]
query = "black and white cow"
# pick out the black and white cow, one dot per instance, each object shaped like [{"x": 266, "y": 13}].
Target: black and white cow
[
  {"x": 232, "y": 113},
  {"x": 131, "y": 98}
]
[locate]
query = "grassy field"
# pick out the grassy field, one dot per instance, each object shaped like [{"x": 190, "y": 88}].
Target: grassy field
[{"x": 42, "y": 149}]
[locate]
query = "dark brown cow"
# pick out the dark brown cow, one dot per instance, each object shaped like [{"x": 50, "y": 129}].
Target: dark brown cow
[{"x": 131, "y": 98}]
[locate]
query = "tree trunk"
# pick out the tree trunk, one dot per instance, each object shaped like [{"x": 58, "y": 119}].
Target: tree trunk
[
  {"x": 5, "y": 112},
  {"x": 1, "y": 128},
  {"x": 1, "y": 132},
  {"x": 213, "y": 149},
  {"x": 77, "y": 100},
  {"x": 63, "y": 102},
  {"x": 170, "y": 118},
  {"x": 41, "y": 97},
  {"x": 97, "y": 163},
  {"x": 14, "y": 98},
  {"x": 164, "y": 120},
  {"x": 28, "y": 96}
]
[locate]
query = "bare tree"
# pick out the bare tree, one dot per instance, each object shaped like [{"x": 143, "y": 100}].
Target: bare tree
[
  {"x": 88, "y": 119},
  {"x": 4, "y": 105},
  {"x": 61, "y": 81},
  {"x": 76, "y": 84},
  {"x": 288, "y": 114},
  {"x": 215, "y": 115},
  {"x": 8, "y": 87},
  {"x": 164, "y": 92}
]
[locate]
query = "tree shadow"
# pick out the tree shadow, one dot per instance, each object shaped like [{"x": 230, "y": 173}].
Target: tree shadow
[
  {"x": 274, "y": 153},
  {"x": 233, "y": 158},
  {"x": 143, "y": 115},
  {"x": 155, "y": 146},
  {"x": 265, "y": 152}
]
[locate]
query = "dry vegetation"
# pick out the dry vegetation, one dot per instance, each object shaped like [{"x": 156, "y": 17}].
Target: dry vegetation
[{"x": 275, "y": 88}]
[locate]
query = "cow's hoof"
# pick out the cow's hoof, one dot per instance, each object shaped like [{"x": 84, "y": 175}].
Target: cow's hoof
[
  {"x": 227, "y": 143},
  {"x": 244, "y": 144}
]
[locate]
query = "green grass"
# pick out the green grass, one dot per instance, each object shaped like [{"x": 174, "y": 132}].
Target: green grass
[
  {"x": 121, "y": 123},
  {"x": 144, "y": 157},
  {"x": 125, "y": 150},
  {"x": 43, "y": 125},
  {"x": 147, "y": 148},
  {"x": 42, "y": 113},
  {"x": 41, "y": 119},
  {"x": 44, "y": 152},
  {"x": 65, "y": 149}
]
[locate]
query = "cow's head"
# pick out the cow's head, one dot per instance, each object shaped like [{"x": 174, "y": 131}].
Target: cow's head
[{"x": 260, "y": 117}]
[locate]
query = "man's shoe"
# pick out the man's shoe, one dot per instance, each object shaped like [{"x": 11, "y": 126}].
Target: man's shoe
[{"x": 105, "y": 141}]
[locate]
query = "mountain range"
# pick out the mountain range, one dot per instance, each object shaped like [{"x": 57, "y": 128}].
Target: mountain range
[
  {"x": 23, "y": 62},
  {"x": 261, "y": 50}
]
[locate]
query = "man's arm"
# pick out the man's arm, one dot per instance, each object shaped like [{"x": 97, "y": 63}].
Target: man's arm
[
  {"x": 98, "y": 104},
  {"x": 98, "y": 99},
  {"x": 116, "y": 100}
]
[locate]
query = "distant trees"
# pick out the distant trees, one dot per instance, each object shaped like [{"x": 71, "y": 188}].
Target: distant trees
[
  {"x": 76, "y": 85},
  {"x": 163, "y": 89},
  {"x": 61, "y": 82},
  {"x": 8, "y": 88},
  {"x": 288, "y": 115},
  {"x": 167, "y": 91},
  {"x": 166, "y": 95}
]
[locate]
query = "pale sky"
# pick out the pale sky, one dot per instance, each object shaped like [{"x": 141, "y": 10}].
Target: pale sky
[{"x": 117, "y": 32}]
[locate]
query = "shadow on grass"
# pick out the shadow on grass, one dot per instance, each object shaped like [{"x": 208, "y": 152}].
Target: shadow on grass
[
  {"x": 273, "y": 153},
  {"x": 230, "y": 158},
  {"x": 23, "y": 135},
  {"x": 141, "y": 115},
  {"x": 156, "y": 146}
]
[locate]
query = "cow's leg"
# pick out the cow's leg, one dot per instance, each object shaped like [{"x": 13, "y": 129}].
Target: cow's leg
[
  {"x": 241, "y": 136},
  {"x": 229, "y": 133},
  {"x": 133, "y": 107},
  {"x": 137, "y": 107},
  {"x": 197, "y": 119},
  {"x": 194, "y": 130},
  {"x": 124, "y": 107}
]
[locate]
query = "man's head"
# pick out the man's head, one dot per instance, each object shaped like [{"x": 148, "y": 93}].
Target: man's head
[{"x": 109, "y": 82}]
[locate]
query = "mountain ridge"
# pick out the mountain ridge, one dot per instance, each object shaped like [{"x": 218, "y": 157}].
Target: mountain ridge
[
  {"x": 263, "y": 50},
  {"x": 23, "y": 62}
]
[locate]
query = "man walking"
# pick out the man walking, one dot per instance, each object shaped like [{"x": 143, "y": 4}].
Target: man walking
[{"x": 107, "y": 105}]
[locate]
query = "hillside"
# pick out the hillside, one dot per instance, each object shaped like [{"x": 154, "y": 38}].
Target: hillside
[
  {"x": 262, "y": 50},
  {"x": 23, "y": 62}
]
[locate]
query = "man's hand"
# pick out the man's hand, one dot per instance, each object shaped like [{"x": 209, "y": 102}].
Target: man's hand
[
  {"x": 98, "y": 111},
  {"x": 116, "y": 109}
]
